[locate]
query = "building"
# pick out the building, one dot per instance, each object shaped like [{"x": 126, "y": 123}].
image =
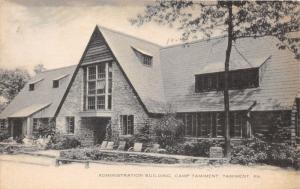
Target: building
[{"x": 128, "y": 82}]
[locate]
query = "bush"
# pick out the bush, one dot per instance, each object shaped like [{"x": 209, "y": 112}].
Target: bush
[
  {"x": 60, "y": 142},
  {"x": 4, "y": 136},
  {"x": 258, "y": 151},
  {"x": 168, "y": 129},
  {"x": 199, "y": 149}
]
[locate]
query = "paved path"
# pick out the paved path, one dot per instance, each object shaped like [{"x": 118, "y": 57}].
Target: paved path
[{"x": 20, "y": 172}]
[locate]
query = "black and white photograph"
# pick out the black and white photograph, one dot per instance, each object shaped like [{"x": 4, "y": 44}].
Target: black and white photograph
[{"x": 149, "y": 94}]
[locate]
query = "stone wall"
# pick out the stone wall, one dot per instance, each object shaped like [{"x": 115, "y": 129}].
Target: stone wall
[
  {"x": 125, "y": 102},
  {"x": 72, "y": 105}
]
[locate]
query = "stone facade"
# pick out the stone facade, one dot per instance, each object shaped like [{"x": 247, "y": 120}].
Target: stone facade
[
  {"x": 72, "y": 105},
  {"x": 125, "y": 102}
]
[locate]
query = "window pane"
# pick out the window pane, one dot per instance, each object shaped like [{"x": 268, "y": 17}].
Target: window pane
[
  {"x": 220, "y": 124},
  {"x": 109, "y": 102},
  {"x": 130, "y": 125},
  {"x": 92, "y": 72},
  {"x": 100, "y": 102},
  {"x": 91, "y": 87},
  {"x": 109, "y": 85},
  {"x": 101, "y": 71},
  {"x": 91, "y": 103},
  {"x": 124, "y": 126},
  {"x": 189, "y": 122},
  {"x": 100, "y": 86}
]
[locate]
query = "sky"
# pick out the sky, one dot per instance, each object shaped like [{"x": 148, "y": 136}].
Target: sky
[{"x": 55, "y": 32}]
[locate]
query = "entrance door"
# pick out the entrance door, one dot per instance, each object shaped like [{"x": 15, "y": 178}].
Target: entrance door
[
  {"x": 17, "y": 128},
  {"x": 100, "y": 130}
]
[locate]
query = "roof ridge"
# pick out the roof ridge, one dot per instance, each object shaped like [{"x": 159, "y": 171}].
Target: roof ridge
[
  {"x": 54, "y": 69},
  {"x": 193, "y": 42},
  {"x": 128, "y": 35}
]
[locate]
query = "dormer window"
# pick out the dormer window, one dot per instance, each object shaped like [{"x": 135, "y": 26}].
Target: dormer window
[
  {"x": 33, "y": 84},
  {"x": 144, "y": 58},
  {"x": 238, "y": 79},
  {"x": 31, "y": 87},
  {"x": 55, "y": 83}
]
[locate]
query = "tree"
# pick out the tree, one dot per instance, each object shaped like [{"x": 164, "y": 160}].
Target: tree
[
  {"x": 235, "y": 19},
  {"x": 11, "y": 82},
  {"x": 39, "y": 68}
]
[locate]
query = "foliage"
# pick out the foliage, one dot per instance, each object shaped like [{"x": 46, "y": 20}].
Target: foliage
[
  {"x": 258, "y": 151},
  {"x": 39, "y": 68},
  {"x": 248, "y": 19},
  {"x": 168, "y": 129},
  {"x": 143, "y": 135},
  {"x": 200, "y": 148},
  {"x": 4, "y": 135},
  {"x": 60, "y": 142},
  {"x": 12, "y": 81},
  {"x": 44, "y": 129}
]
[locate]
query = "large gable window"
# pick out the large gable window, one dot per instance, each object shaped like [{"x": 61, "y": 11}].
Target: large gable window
[
  {"x": 238, "y": 79},
  {"x": 143, "y": 57},
  {"x": 98, "y": 86}
]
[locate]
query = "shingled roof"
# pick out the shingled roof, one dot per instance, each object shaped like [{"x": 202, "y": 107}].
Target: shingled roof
[
  {"x": 171, "y": 77},
  {"x": 43, "y": 97},
  {"x": 279, "y": 74},
  {"x": 146, "y": 80}
]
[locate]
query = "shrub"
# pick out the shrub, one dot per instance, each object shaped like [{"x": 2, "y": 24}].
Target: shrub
[
  {"x": 200, "y": 149},
  {"x": 4, "y": 135},
  {"x": 258, "y": 151},
  {"x": 168, "y": 129},
  {"x": 59, "y": 142}
]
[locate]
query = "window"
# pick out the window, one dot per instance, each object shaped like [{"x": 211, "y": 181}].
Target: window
[
  {"x": 98, "y": 86},
  {"x": 211, "y": 124},
  {"x": 238, "y": 124},
  {"x": 31, "y": 86},
  {"x": 35, "y": 124},
  {"x": 91, "y": 72},
  {"x": 126, "y": 123},
  {"x": 238, "y": 79},
  {"x": 55, "y": 83},
  {"x": 143, "y": 57},
  {"x": 70, "y": 125},
  {"x": 298, "y": 119},
  {"x": 91, "y": 103},
  {"x": 2, "y": 123},
  {"x": 101, "y": 71},
  {"x": 100, "y": 102}
]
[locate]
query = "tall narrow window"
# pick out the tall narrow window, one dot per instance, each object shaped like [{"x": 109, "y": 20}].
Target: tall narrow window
[
  {"x": 91, "y": 72},
  {"x": 238, "y": 123},
  {"x": 70, "y": 125},
  {"x": 127, "y": 124},
  {"x": 298, "y": 120},
  {"x": 2, "y": 123},
  {"x": 35, "y": 124}
]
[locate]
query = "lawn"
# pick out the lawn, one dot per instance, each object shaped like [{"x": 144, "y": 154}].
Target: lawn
[{"x": 19, "y": 174}]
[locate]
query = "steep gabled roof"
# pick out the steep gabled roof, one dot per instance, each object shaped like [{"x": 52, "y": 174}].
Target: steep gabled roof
[
  {"x": 44, "y": 96},
  {"x": 146, "y": 80}
]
